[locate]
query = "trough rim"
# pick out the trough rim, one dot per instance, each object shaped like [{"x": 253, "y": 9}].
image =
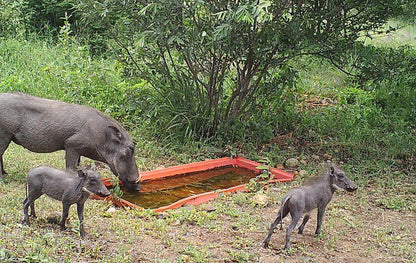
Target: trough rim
[{"x": 278, "y": 176}]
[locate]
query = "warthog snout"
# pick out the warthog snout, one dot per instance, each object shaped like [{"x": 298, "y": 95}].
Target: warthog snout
[
  {"x": 104, "y": 194},
  {"x": 132, "y": 186},
  {"x": 352, "y": 187}
]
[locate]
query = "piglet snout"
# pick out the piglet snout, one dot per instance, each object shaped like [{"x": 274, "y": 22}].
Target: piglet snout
[
  {"x": 104, "y": 193},
  {"x": 352, "y": 188}
]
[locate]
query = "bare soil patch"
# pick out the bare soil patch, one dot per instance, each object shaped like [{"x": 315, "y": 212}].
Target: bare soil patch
[{"x": 354, "y": 230}]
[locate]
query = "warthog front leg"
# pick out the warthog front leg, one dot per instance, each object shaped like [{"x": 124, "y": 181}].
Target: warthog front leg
[
  {"x": 4, "y": 143},
  {"x": 321, "y": 212},
  {"x": 72, "y": 159},
  {"x": 65, "y": 211},
  {"x": 80, "y": 211}
]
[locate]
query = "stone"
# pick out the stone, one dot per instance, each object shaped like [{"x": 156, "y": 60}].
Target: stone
[
  {"x": 292, "y": 162},
  {"x": 316, "y": 157},
  {"x": 327, "y": 156},
  {"x": 260, "y": 199},
  {"x": 210, "y": 208},
  {"x": 111, "y": 210}
]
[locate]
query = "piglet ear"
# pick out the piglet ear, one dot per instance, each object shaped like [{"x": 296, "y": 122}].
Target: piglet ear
[
  {"x": 332, "y": 170},
  {"x": 81, "y": 173}
]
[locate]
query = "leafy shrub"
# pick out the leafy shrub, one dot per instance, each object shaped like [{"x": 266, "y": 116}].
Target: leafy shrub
[
  {"x": 358, "y": 128},
  {"x": 11, "y": 19}
]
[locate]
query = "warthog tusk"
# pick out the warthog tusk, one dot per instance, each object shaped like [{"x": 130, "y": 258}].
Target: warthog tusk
[
  {"x": 138, "y": 179},
  {"x": 337, "y": 187},
  {"x": 86, "y": 190}
]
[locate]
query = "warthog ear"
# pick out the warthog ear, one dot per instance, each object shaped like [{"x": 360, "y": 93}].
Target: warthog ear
[
  {"x": 115, "y": 133},
  {"x": 81, "y": 173},
  {"x": 332, "y": 170}
]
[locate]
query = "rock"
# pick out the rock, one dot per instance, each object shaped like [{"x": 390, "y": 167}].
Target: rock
[
  {"x": 327, "y": 156},
  {"x": 111, "y": 210},
  {"x": 54, "y": 218},
  {"x": 316, "y": 157},
  {"x": 303, "y": 173},
  {"x": 187, "y": 207},
  {"x": 260, "y": 199},
  {"x": 215, "y": 150},
  {"x": 292, "y": 162},
  {"x": 279, "y": 166},
  {"x": 186, "y": 258},
  {"x": 161, "y": 216},
  {"x": 210, "y": 208},
  {"x": 399, "y": 161}
]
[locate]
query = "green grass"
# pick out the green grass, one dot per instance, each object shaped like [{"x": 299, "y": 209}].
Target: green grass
[
  {"x": 231, "y": 231},
  {"x": 404, "y": 34}
]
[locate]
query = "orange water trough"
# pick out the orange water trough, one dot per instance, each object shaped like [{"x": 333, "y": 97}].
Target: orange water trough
[{"x": 278, "y": 176}]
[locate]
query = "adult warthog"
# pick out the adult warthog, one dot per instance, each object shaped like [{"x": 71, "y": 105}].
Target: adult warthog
[{"x": 43, "y": 126}]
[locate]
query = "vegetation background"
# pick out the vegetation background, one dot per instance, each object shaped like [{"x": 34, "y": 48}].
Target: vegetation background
[{"x": 270, "y": 80}]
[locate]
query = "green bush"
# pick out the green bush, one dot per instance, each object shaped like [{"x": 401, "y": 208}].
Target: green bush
[
  {"x": 11, "y": 19},
  {"x": 358, "y": 128},
  {"x": 371, "y": 116},
  {"x": 41, "y": 18}
]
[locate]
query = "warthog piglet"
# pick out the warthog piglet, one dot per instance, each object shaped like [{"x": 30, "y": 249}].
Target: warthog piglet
[
  {"x": 303, "y": 200},
  {"x": 65, "y": 187}
]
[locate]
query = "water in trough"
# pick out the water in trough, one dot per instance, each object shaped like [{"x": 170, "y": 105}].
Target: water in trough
[{"x": 162, "y": 192}]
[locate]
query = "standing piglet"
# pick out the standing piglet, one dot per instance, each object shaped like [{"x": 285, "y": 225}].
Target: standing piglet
[
  {"x": 303, "y": 200},
  {"x": 64, "y": 187}
]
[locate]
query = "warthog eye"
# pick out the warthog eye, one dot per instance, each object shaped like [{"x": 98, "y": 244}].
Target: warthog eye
[{"x": 93, "y": 180}]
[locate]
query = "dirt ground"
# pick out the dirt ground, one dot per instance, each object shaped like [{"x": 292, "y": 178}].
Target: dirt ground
[{"x": 354, "y": 230}]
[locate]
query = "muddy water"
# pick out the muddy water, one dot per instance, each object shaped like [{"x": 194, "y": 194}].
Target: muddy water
[{"x": 158, "y": 193}]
